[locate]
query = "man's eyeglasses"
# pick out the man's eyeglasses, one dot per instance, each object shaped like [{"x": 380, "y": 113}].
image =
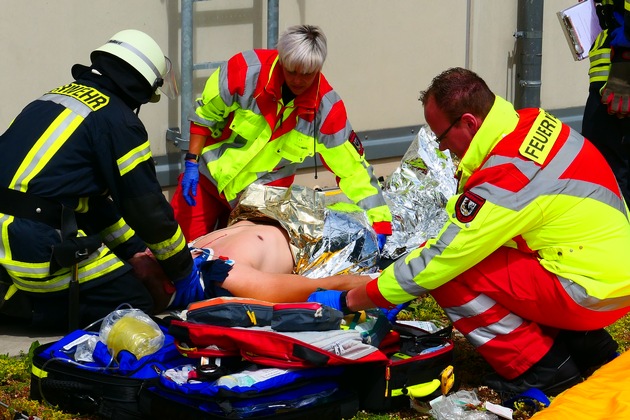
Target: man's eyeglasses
[{"x": 441, "y": 136}]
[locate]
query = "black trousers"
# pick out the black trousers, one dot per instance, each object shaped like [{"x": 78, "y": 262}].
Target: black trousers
[
  {"x": 50, "y": 310},
  {"x": 611, "y": 136}
]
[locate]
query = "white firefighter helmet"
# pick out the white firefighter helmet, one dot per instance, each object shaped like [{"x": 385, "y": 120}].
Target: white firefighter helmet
[{"x": 144, "y": 54}]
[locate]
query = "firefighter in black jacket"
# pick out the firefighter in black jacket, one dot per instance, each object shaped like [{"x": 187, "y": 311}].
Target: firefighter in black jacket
[
  {"x": 605, "y": 121},
  {"x": 79, "y": 197}
]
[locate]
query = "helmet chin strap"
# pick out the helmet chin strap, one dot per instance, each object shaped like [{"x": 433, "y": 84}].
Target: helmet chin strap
[{"x": 159, "y": 82}]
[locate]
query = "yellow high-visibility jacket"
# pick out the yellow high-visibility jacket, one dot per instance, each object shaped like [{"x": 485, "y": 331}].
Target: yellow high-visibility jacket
[
  {"x": 256, "y": 137},
  {"x": 529, "y": 182}
]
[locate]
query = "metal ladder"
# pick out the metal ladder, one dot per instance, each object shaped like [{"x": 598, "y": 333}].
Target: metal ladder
[{"x": 181, "y": 136}]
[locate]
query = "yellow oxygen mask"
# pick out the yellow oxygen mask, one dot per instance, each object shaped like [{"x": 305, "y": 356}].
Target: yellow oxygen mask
[{"x": 131, "y": 330}]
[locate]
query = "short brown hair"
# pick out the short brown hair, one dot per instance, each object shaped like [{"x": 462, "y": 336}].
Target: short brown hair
[{"x": 457, "y": 91}]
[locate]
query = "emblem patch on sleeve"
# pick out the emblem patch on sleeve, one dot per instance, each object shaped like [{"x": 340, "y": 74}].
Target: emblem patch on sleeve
[
  {"x": 356, "y": 142},
  {"x": 467, "y": 207}
]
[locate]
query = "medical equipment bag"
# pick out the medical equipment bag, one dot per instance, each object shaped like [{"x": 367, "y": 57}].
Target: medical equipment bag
[
  {"x": 297, "y": 335},
  {"x": 256, "y": 392},
  {"x": 231, "y": 311},
  {"x": 103, "y": 386},
  {"x": 420, "y": 367},
  {"x": 295, "y": 363},
  {"x": 264, "y": 346}
]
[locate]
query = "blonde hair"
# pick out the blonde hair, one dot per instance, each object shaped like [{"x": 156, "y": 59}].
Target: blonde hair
[{"x": 302, "y": 47}]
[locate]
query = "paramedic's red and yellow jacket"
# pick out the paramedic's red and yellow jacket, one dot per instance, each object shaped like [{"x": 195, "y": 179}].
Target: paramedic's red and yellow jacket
[
  {"x": 256, "y": 137},
  {"x": 528, "y": 182}
]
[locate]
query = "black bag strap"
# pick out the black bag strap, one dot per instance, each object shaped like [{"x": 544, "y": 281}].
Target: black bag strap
[{"x": 29, "y": 206}]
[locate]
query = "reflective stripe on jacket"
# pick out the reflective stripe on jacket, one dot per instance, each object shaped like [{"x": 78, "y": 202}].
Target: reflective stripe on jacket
[
  {"x": 529, "y": 182},
  {"x": 599, "y": 57},
  {"x": 600, "y": 52},
  {"x": 78, "y": 145},
  {"x": 258, "y": 138}
]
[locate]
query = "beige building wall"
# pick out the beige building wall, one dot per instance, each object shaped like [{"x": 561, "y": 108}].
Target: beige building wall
[{"x": 381, "y": 52}]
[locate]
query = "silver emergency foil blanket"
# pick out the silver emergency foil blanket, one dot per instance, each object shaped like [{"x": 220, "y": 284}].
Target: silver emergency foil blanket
[
  {"x": 330, "y": 235},
  {"x": 324, "y": 241},
  {"x": 417, "y": 192}
]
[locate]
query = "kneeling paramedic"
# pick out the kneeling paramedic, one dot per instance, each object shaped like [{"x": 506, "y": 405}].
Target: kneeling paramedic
[{"x": 532, "y": 263}]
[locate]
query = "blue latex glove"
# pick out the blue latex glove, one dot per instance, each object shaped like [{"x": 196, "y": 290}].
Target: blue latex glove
[
  {"x": 381, "y": 239},
  {"x": 189, "y": 182},
  {"x": 187, "y": 290},
  {"x": 392, "y": 314},
  {"x": 330, "y": 298}
]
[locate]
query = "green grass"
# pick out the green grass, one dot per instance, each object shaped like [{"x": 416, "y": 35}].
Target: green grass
[{"x": 15, "y": 371}]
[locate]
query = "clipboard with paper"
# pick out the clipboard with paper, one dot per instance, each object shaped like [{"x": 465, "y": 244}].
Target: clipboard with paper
[{"x": 580, "y": 26}]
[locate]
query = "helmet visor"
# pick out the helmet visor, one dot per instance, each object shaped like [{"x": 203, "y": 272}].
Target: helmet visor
[{"x": 169, "y": 81}]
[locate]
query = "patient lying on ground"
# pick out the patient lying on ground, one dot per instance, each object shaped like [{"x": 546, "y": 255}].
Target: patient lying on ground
[
  {"x": 263, "y": 263},
  {"x": 265, "y": 257}
]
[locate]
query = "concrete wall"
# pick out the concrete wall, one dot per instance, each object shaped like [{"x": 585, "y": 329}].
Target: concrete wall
[{"x": 381, "y": 52}]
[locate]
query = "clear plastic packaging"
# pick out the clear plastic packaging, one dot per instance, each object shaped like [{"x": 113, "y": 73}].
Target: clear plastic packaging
[
  {"x": 242, "y": 379},
  {"x": 458, "y": 406},
  {"x": 85, "y": 350},
  {"x": 131, "y": 330}
]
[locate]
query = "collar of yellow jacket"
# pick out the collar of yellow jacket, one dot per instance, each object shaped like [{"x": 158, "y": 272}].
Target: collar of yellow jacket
[{"x": 500, "y": 121}]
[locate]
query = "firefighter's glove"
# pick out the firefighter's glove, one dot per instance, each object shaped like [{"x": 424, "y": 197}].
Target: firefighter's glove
[
  {"x": 616, "y": 91},
  {"x": 392, "y": 314},
  {"x": 189, "y": 182},
  {"x": 187, "y": 290}
]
